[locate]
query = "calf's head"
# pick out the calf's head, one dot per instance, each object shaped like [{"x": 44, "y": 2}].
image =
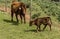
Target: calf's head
[{"x": 30, "y": 23}]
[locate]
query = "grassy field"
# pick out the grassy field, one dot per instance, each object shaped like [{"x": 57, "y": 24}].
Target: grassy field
[{"x": 12, "y": 30}]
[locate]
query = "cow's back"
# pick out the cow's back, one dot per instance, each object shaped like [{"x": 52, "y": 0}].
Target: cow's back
[{"x": 18, "y": 5}]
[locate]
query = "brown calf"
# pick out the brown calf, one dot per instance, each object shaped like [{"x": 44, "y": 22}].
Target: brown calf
[
  {"x": 45, "y": 21},
  {"x": 18, "y": 8}
]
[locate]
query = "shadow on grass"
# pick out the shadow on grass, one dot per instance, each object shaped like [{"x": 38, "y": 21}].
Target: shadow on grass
[
  {"x": 9, "y": 21},
  {"x": 30, "y": 30},
  {"x": 33, "y": 31}
]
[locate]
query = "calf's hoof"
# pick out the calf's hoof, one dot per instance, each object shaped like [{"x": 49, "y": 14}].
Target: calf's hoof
[
  {"x": 17, "y": 21},
  {"x": 36, "y": 30},
  {"x": 39, "y": 30}
]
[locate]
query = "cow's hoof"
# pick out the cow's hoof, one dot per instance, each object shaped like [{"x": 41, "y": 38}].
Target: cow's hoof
[
  {"x": 24, "y": 22},
  {"x": 11, "y": 20}
]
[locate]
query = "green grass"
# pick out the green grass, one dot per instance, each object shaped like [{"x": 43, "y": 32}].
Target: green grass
[
  {"x": 9, "y": 30},
  {"x": 12, "y": 30}
]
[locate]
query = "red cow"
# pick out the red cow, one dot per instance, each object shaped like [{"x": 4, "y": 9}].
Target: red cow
[{"x": 18, "y": 8}]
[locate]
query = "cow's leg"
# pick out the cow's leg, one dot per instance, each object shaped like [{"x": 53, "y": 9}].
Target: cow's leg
[
  {"x": 24, "y": 18},
  {"x": 44, "y": 27},
  {"x": 21, "y": 18},
  {"x": 24, "y": 12},
  {"x": 16, "y": 17},
  {"x": 12, "y": 16}
]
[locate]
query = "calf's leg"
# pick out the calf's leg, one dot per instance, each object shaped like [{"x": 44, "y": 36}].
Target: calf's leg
[
  {"x": 37, "y": 29},
  {"x": 50, "y": 26},
  {"x": 44, "y": 27}
]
